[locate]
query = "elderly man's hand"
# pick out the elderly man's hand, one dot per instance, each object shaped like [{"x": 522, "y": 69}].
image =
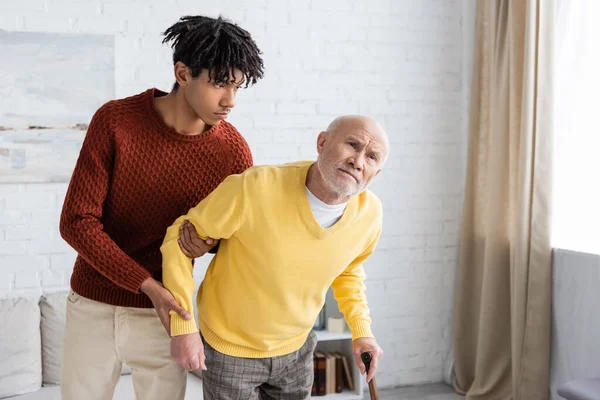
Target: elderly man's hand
[
  {"x": 362, "y": 345},
  {"x": 188, "y": 351},
  {"x": 191, "y": 245}
]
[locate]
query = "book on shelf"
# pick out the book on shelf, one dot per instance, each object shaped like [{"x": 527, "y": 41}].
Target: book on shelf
[{"x": 331, "y": 373}]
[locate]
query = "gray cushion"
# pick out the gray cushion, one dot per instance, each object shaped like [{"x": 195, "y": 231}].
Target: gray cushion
[
  {"x": 584, "y": 389},
  {"x": 53, "y": 309},
  {"x": 20, "y": 347}
]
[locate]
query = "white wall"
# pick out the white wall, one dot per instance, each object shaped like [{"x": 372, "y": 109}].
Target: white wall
[{"x": 400, "y": 61}]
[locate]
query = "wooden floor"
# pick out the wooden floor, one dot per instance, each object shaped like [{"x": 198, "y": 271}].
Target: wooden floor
[{"x": 426, "y": 392}]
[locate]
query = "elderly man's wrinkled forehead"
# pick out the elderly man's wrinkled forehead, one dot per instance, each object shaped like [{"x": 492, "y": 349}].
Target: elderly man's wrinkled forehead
[{"x": 362, "y": 126}]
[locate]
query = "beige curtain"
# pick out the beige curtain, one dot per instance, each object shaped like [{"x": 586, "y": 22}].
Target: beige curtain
[{"x": 502, "y": 314}]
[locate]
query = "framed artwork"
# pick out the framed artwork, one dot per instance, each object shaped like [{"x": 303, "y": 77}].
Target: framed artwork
[{"x": 50, "y": 86}]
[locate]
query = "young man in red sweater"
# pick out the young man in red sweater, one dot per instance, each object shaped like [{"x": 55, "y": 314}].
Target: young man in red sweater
[{"x": 146, "y": 160}]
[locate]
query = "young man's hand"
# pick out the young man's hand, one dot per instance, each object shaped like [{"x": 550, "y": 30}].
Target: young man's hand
[
  {"x": 362, "y": 345},
  {"x": 188, "y": 351},
  {"x": 190, "y": 244},
  {"x": 163, "y": 302}
]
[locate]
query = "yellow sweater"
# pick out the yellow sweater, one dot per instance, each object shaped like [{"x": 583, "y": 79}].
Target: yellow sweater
[{"x": 267, "y": 283}]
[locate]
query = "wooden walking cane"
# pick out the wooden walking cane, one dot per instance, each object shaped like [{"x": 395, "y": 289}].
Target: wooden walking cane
[{"x": 366, "y": 359}]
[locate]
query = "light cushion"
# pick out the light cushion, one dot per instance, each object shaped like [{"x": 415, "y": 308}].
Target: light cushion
[
  {"x": 20, "y": 346},
  {"x": 53, "y": 309}
]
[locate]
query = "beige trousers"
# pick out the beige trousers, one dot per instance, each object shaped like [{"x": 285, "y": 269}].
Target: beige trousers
[{"x": 99, "y": 338}]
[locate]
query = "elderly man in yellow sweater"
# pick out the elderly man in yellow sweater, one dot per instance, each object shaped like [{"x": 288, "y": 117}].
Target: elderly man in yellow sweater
[{"x": 287, "y": 233}]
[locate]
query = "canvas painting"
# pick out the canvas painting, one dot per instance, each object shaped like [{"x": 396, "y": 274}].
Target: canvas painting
[
  {"x": 50, "y": 86},
  {"x": 39, "y": 155}
]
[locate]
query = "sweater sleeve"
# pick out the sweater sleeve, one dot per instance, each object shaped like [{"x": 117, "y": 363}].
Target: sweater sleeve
[
  {"x": 241, "y": 160},
  {"x": 218, "y": 216},
  {"x": 81, "y": 217},
  {"x": 349, "y": 291}
]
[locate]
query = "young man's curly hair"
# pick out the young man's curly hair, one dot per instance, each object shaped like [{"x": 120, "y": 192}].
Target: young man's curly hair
[{"x": 217, "y": 45}]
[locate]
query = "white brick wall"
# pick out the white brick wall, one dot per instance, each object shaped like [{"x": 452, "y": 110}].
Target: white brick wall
[
  {"x": 399, "y": 61},
  {"x": 33, "y": 256}
]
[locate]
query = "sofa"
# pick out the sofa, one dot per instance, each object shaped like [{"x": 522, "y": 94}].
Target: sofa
[
  {"x": 31, "y": 342},
  {"x": 580, "y": 389},
  {"x": 575, "y": 370}
]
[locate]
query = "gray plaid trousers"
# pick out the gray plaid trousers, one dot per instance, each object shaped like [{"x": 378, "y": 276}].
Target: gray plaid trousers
[{"x": 288, "y": 377}]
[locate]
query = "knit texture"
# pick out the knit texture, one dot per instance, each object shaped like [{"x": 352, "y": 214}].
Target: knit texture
[{"x": 133, "y": 178}]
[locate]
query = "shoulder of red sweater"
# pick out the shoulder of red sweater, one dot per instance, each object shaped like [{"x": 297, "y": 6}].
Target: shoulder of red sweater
[
  {"x": 226, "y": 128},
  {"x": 234, "y": 138},
  {"x": 124, "y": 102},
  {"x": 135, "y": 99}
]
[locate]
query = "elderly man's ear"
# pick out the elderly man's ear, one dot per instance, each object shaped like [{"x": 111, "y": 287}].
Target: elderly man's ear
[{"x": 321, "y": 139}]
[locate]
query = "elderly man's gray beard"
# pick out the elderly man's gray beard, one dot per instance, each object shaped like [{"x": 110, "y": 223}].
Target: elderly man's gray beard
[{"x": 329, "y": 174}]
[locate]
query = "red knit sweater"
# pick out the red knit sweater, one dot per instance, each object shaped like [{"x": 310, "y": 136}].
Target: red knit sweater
[{"x": 134, "y": 177}]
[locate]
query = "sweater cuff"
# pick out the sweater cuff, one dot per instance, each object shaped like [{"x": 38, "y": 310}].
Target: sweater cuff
[
  {"x": 180, "y": 326},
  {"x": 360, "y": 329},
  {"x": 134, "y": 279}
]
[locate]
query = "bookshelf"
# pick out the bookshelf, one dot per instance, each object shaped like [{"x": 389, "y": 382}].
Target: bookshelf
[{"x": 342, "y": 343}]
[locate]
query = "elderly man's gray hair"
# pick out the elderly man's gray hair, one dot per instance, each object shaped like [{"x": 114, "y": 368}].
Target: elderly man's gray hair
[{"x": 335, "y": 125}]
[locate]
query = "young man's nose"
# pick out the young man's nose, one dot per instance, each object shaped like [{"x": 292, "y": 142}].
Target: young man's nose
[{"x": 228, "y": 99}]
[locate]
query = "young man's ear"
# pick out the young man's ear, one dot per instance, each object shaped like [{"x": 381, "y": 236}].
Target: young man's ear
[
  {"x": 321, "y": 140},
  {"x": 182, "y": 73}
]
